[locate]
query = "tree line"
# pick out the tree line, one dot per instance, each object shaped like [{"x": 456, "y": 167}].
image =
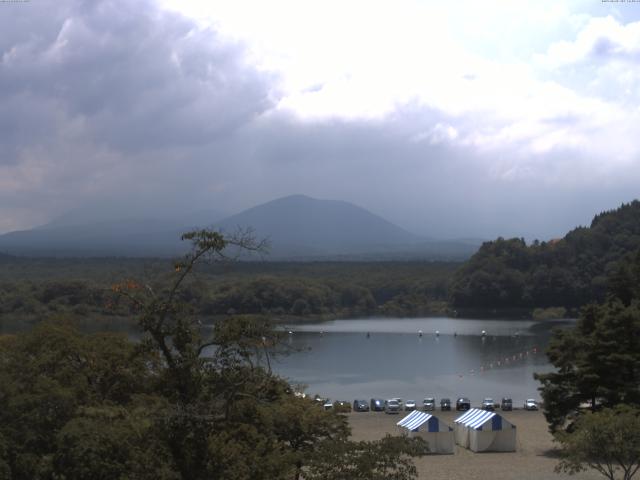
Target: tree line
[
  {"x": 568, "y": 272},
  {"x": 280, "y": 290}
]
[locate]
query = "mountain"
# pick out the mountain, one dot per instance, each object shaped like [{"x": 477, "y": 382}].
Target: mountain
[
  {"x": 297, "y": 227},
  {"x": 70, "y": 236},
  {"x": 302, "y": 225},
  {"x": 568, "y": 272}
]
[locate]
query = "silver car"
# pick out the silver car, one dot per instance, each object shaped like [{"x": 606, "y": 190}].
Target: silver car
[
  {"x": 530, "y": 404},
  {"x": 429, "y": 404},
  {"x": 391, "y": 406},
  {"x": 410, "y": 405},
  {"x": 488, "y": 404}
]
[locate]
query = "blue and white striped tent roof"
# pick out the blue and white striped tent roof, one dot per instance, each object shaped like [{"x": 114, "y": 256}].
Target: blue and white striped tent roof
[
  {"x": 416, "y": 419},
  {"x": 476, "y": 419}
]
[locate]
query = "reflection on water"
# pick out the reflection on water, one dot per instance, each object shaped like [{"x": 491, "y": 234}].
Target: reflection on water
[{"x": 339, "y": 360}]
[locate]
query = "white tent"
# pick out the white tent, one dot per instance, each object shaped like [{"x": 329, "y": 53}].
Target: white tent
[
  {"x": 484, "y": 431},
  {"x": 438, "y": 435}
]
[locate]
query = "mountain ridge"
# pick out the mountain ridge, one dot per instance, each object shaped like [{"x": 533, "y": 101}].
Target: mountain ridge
[{"x": 298, "y": 227}]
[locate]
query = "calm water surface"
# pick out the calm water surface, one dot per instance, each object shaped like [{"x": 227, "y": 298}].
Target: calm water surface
[{"x": 337, "y": 359}]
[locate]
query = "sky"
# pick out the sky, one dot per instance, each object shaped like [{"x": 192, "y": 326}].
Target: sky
[{"x": 451, "y": 119}]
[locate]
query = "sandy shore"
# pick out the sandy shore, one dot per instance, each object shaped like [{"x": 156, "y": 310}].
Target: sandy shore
[{"x": 533, "y": 459}]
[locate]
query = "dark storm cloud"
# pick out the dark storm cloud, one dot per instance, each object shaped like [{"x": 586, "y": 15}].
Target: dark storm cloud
[
  {"x": 135, "y": 78},
  {"x": 101, "y": 100}
]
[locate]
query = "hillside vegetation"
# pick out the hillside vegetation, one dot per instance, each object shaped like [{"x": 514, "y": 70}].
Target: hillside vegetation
[
  {"x": 33, "y": 289},
  {"x": 569, "y": 272}
]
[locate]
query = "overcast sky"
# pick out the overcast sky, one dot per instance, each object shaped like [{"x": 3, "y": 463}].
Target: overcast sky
[{"x": 451, "y": 119}]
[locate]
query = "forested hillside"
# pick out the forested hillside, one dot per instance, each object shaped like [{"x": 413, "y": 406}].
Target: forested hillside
[
  {"x": 568, "y": 272},
  {"x": 33, "y": 289}
]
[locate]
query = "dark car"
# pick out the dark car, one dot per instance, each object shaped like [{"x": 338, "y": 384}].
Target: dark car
[
  {"x": 463, "y": 403},
  {"x": 428, "y": 404},
  {"x": 377, "y": 405},
  {"x": 360, "y": 406},
  {"x": 487, "y": 404},
  {"x": 445, "y": 404},
  {"x": 506, "y": 404}
]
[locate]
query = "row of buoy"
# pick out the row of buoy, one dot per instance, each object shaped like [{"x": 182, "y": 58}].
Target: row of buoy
[
  {"x": 437, "y": 333},
  {"x": 506, "y": 361},
  {"x": 455, "y": 334},
  {"x": 420, "y": 333}
]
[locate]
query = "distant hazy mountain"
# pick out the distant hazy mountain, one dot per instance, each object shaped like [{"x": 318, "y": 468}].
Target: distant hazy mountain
[
  {"x": 298, "y": 228},
  {"x": 71, "y": 236},
  {"x": 318, "y": 225}
]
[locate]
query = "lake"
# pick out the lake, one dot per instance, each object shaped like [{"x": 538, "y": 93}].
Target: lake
[{"x": 337, "y": 359}]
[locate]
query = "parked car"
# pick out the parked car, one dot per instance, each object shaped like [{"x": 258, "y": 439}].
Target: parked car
[
  {"x": 487, "y": 404},
  {"x": 530, "y": 404},
  {"x": 328, "y": 404},
  {"x": 445, "y": 404},
  {"x": 506, "y": 404},
  {"x": 360, "y": 406},
  {"x": 410, "y": 405},
  {"x": 377, "y": 405},
  {"x": 428, "y": 404},
  {"x": 463, "y": 403},
  {"x": 392, "y": 406},
  {"x": 341, "y": 406},
  {"x": 400, "y": 402}
]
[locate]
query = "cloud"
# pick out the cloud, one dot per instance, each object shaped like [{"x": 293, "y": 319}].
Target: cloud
[
  {"x": 602, "y": 39},
  {"x": 92, "y": 92},
  {"x": 424, "y": 114}
]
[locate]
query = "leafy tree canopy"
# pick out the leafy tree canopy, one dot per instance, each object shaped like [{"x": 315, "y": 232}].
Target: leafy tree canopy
[
  {"x": 597, "y": 362},
  {"x": 568, "y": 272},
  {"x": 607, "y": 442},
  {"x": 176, "y": 405}
]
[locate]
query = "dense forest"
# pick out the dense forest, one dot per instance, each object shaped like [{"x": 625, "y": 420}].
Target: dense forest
[
  {"x": 568, "y": 272},
  {"x": 98, "y": 406},
  {"x": 31, "y": 289}
]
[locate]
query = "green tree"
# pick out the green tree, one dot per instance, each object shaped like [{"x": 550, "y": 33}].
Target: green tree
[
  {"x": 386, "y": 459},
  {"x": 5, "y": 469},
  {"x": 107, "y": 443},
  {"x": 176, "y": 405},
  {"x": 567, "y": 272},
  {"x": 607, "y": 441},
  {"x": 597, "y": 362},
  {"x": 232, "y": 418},
  {"x": 48, "y": 374}
]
